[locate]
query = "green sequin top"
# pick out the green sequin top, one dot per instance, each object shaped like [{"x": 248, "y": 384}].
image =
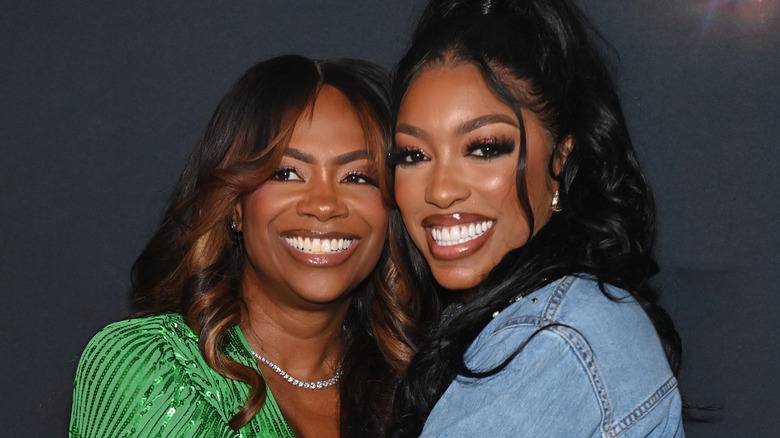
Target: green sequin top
[{"x": 146, "y": 377}]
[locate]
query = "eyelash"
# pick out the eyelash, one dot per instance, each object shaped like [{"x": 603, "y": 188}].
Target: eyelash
[
  {"x": 354, "y": 177},
  {"x": 407, "y": 156},
  {"x": 283, "y": 174},
  {"x": 359, "y": 175},
  {"x": 490, "y": 147}
]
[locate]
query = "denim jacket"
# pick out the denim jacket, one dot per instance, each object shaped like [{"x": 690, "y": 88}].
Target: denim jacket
[{"x": 596, "y": 370}]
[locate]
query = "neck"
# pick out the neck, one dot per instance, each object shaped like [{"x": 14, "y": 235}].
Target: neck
[
  {"x": 305, "y": 342},
  {"x": 465, "y": 295}
]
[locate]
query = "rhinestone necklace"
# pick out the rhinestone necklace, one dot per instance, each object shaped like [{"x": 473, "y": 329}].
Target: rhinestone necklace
[{"x": 292, "y": 380}]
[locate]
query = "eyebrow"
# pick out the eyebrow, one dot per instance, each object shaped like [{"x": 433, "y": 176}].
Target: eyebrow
[
  {"x": 403, "y": 128},
  {"x": 486, "y": 120},
  {"x": 339, "y": 160},
  {"x": 464, "y": 128}
]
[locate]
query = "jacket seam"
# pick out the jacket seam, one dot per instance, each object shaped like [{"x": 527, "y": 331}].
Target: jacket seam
[
  {"x": 645, "y": 407},
  {"x": 556, "y": 298},
  {"x": 545, "y": 319},
  {"x": 583, "y": 353},
  {"x": 582, "y": 350}
]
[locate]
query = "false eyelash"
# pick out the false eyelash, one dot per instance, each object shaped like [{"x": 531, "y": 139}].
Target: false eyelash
[
  {"x": 397, "y": 157},
  {"x": 502, "y": 146}
]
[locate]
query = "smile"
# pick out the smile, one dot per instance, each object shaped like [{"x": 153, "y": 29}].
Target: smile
[
  {"x": 318, "y": 246},
  {"x": 457, "y": 234}
]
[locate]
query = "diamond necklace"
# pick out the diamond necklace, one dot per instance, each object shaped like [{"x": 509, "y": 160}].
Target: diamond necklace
[{"x": 320, "y": 384}]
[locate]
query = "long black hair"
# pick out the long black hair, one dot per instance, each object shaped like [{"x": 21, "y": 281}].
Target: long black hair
[{"x": 607, "y": 223}]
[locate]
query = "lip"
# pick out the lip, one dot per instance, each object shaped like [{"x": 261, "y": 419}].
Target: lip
[
  {"x": 320, "y": 259},
  {"x": 457, "y": 250}
]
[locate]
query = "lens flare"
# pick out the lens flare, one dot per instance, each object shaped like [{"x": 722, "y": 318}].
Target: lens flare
[
  {"x": 746, "y": 17},
  {"x": 750, "y": 26}
]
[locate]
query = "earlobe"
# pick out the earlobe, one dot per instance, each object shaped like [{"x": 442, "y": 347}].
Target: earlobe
[
  {"x": 236, "y": 223},
  {"x": 562, "y": 152}
]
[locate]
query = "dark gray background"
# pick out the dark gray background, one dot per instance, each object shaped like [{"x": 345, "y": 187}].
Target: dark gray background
[{"x": 101, "y": 102}]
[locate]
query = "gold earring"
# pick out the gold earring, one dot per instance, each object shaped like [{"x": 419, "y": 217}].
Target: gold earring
[{"x": 554, "y": 207}]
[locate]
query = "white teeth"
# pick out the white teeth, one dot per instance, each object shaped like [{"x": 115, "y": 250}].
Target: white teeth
[
  {"x": 447, "y": 236},
  {"x": 318, "y": 246}
]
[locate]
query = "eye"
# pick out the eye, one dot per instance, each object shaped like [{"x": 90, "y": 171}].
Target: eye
[
  {"x": 488, "y": 148},
  {"x": 359, "y": 178},
  {"x": 286, "y": 174},
  {"x": 408, "y": 157}
]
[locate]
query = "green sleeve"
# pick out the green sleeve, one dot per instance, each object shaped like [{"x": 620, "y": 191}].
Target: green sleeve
[{"x": 140, "y": 378}]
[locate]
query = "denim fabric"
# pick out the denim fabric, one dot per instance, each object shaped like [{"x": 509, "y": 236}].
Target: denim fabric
[{"x": 596, "y": 370}]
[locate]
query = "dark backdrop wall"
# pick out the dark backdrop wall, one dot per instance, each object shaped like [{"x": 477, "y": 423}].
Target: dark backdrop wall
[{"x": 101, "y": 102}]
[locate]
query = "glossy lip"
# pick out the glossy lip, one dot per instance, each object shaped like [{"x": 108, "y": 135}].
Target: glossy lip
[
  {"x": 320, "y": 260},
  {"x": 459, "y": 250}
]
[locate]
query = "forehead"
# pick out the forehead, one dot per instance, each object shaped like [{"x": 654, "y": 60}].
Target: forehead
[
  {"x": 331, "y": 127},
  {"x": 448, "y": 93},
  {"x": 518, "y": 88},
  {"x": 328, "y": 99}
]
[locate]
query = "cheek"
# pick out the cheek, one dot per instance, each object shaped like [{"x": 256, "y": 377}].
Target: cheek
[
  {"x": 511, "y": 210},
  {"x": 252, "y": 208},
  {"x": 378, "y": 219},
  {"x": 374, "y": 213},
  {"x": 409, "y": 198},
  {"x": 264, "y": 205},
  {"x": 501, "y": 181},
  {"x": 497, "y": 183},
  {"x": 537, "y": 176}
]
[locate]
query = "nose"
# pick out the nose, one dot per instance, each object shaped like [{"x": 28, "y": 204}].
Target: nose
[
  {"x": 446, "y": 186},
  {"x": 322, "y": 201}
]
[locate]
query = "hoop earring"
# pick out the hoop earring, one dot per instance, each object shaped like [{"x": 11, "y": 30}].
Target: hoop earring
[{"x": 554, "y": 207}]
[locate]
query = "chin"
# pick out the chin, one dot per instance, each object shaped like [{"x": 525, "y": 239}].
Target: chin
[
  {"x": 458, "y": 282},
  {"x": 322, "y": 295}
]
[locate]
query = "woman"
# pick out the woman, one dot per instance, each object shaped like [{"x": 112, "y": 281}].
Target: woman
[
  {"x": 264, "y": 294},
  {"x": 520, "y": 194}
]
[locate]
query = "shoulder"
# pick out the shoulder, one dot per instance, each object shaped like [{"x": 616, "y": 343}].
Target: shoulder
[
  {"x": 542, "y": 391},
  {"x": 124, "y": 343},
  {"x": 581, "y": 304},
  {"x": 132, "y": 373},
  {"x": 155, "y": 327},
  {"x": 590, "y": 343},
  {"x": 148, "y": 347},
  {"x": 605, "y": 321},
  {"x": 147, "y": 377}
]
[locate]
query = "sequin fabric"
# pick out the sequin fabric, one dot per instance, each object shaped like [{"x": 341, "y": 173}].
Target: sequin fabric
[{"x": 146, "y": 377}]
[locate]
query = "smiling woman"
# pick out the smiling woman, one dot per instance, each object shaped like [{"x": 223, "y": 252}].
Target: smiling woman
[
  {"x": 270, "y": 257},
  {"x": 321, "y": 208},
  {"x": 457, "y": 140},
  {"x": 522, "y": 209}
]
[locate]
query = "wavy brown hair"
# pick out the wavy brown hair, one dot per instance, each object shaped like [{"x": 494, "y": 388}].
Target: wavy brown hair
[{"x": 193, "y": 263}]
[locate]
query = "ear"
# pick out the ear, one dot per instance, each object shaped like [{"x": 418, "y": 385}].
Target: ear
[
  {"x": 562, "y": 152},
  {"x": 238, "y": 215}
]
